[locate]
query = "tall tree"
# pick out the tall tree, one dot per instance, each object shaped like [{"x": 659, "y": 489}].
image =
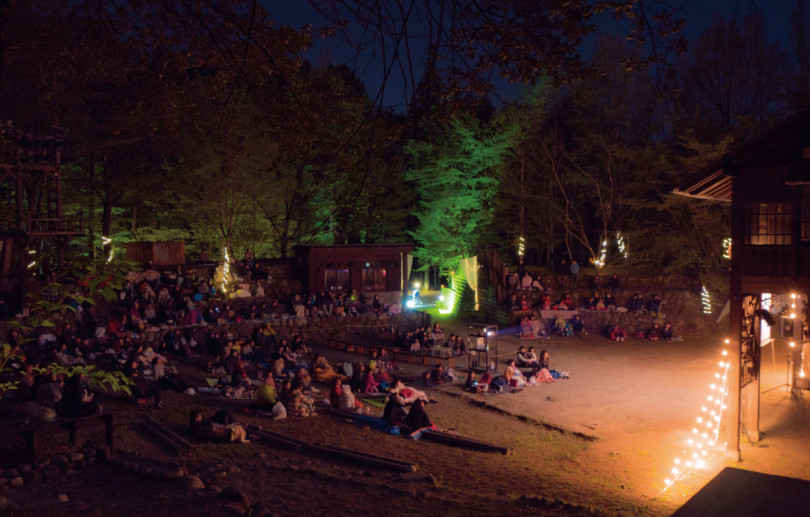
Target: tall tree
[{"x": 456, "y": 176}]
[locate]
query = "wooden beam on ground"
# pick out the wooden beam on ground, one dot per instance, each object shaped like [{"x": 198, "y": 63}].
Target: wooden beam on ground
[
  {"x": 171, "y": 435},
  {"x": 157, "y": 432},
  {"x": 358, "y": 457},
  {"x": 465, "y": 442}
]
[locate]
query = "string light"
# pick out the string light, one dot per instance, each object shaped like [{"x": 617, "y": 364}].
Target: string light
[
  {"x": 600, "y": 262},
  {"x": 226, "y": 271},
  {"x": 707, "y": 300},
  {"x": 107, "y": 240},
  {"x": 622, "y": 244},
  {"x": 727, "y": 248},
  {"x": 700, "y": 441},
  {"x": 521, "y": 248}
]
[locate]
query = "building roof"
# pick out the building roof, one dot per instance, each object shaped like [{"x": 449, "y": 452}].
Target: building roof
[{"x": 714, "y": 181}]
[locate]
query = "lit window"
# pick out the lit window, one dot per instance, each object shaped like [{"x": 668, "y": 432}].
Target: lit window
[
  {"x": 768, "y": 224},
  {"x": 374, "y": 278},
  {"x": 337, "y": 279}
]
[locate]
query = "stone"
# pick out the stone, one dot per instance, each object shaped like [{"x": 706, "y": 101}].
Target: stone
[
  {"x": 193, "y": 483},
  {"x": 26, "y": 467},
  {"x": 235, "y": 494},
  {"x": 17, "y": 481},
  {"x": 63, "y": 498},
  {"x": 62, "y": 459},
  {"x": 76, "y": 456},
  {"x": 3, "y": 481}
]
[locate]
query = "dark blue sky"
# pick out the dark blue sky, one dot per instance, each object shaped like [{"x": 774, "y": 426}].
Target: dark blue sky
[{"x": 699, "y": 15}]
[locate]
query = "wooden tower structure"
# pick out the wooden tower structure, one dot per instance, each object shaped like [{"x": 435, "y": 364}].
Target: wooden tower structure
[
  {"x": 31, "y": 205},
  {"x": 767, "y": 182}
]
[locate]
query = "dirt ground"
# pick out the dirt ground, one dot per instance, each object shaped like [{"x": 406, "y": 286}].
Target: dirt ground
[{"x": 637, "y": 399}]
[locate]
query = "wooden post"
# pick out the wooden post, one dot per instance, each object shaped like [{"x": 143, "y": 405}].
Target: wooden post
[{"x": 735, "y": 328}]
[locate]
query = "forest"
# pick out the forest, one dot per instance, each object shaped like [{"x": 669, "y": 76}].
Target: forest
[{"x": 210, "y": 123}]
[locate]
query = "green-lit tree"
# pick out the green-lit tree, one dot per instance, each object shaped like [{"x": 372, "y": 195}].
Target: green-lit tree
[{"x": 456, "y": 176}]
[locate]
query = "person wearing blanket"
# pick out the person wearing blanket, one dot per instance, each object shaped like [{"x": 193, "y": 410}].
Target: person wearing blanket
[
  {"x": 417, "y": 419},
  {"x": 408, "y": 394}
]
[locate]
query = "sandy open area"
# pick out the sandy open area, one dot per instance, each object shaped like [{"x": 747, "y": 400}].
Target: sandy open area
[{"x": 641, "y": 399}]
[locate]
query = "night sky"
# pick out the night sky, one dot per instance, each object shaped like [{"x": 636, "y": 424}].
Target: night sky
[{"x": 698, "y": 14}]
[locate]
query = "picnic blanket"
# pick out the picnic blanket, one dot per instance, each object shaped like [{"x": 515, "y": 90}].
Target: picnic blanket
[{"x": 376, "y": 402}]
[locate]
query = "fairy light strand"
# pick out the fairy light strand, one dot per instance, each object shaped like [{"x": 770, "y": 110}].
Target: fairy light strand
[
  {"x": 706, "y": 432},
  {"x": 706, "y": 298}
]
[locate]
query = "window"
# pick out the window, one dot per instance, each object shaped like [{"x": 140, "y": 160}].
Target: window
[
  {"x": 804, "y": 217},
  {"x": 768, "y": 224},
  {"x": 337, "y": 279},
  {"x": 374, "y": 279}
]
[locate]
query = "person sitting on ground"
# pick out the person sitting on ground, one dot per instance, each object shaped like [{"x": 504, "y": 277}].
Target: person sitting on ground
[
  {"x": 610, "y": 301},
  {"x": 544, "y": 373},
  {"x": 524, "y": 303},
  {"x": 596, "y": 282},
  {"x": 322, "y": 371},
  {"x": 77, "y": 400},
  {"x": 590, "y": 305},
  {"x": 142, "y": 389},
  {"x": 417, "y": 419},
  {"x": 565, "y": 303},
  {"x": 484, "y": 382},
  {"x": 525, "y": 328},
  {"x": 513, "y": 375},
  {"x": 459, "y": 346},
  {"x": 537, "y": 285},
  {"x": 537, "y": 327},
  {"x": 435, "y": 377},
  {"x": 559, "y": 325},
  {"x": 667, "y": 333},
  {"x": 578, "y": 326},
  {"x": 336, "y": 392},
  {"x": 521, "y": 360},
  {"x": 266, "y": 396},
  {"x": 394, "y": 412},
  {"x": 471, "y": 385},
  {"x": 654, "y": 332},
  {"x": 513, "y": 303},
  {"x": 617, "y": 333},
  {"x": 370, "y": 384},
  {"x": 207, "y": 429},
  {"x": 531, "y": 358},
  {"x": 545, "y": 302}
]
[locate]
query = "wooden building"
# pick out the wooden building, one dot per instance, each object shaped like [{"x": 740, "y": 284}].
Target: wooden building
[
  {"x": 33, "y": 230},
  {"x": 370, "y": 267},
  {"x": 767, "y": 182},
  {"x": 169, "y": 253}
]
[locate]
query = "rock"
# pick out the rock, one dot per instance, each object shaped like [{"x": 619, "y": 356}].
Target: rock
[
  {"x": 76, "y": 456},
  {"x": 63, "y": 498},
  {"x": 17, "y": 481},
  {"x": 3, "y": 503},
  {"x": 62, "y": 459},
  {"x": 235, "y": 494},
  {"x": 193, "y": 483},
  {"x": 3, "y": 481},
  {"x": 26, "y": 467}
]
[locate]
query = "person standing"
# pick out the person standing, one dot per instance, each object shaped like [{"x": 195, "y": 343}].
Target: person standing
[{"x": 574, "y": 273}]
